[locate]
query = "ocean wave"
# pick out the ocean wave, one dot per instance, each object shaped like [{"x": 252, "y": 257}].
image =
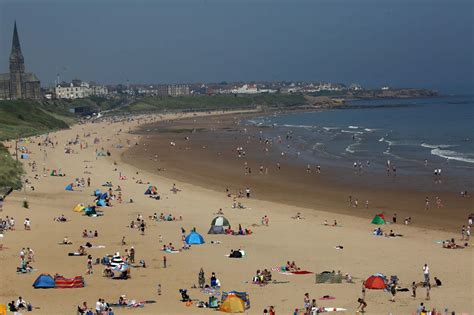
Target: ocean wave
[
  {"x": 353, "y": 127},
  {"x": 437, "y": 146},
  {"x": 382, "y": 139},
  {"x": 297, "y": 126},
  {"x": 354, "y": 132},
  {"x": 351, "y": 148},
  {"x": 369, "y": 129},
  {"x": 331, "y": 128},
  {"x": 453, "y": 155}
]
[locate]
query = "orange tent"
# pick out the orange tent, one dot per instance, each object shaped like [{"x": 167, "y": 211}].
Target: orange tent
[
  {"x": 232, "y": 304},
  {"x": 375, "y": 282}
]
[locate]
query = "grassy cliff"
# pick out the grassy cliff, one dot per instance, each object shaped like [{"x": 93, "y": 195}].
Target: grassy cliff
[{"x": 25, "y": 118}]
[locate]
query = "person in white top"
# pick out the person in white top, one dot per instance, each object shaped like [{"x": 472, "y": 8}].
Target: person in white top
[{"x": 426, "y": 273}]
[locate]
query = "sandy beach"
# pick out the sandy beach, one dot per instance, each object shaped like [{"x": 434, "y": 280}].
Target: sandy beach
[{"x": 201, "y": 173}]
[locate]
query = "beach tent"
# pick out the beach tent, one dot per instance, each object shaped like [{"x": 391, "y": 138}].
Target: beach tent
[
  {"x": 97, "y": 193},
  {"x": 379, "y": 219},
  {"x": 78, "y": 208},
  {"x": 220, "y": 221},
  {"x": 104, "y": 196},
  {"x": 24, "y": 156},
  {"x": 232, "y": 304},
  {"x": 216, "y": 230},
  {"x": 65, "y": 283},
  {"x": 194, "y": 238},
  {"x": 217, "y": 225},
  {"x": 375, "y": 282},
  {"x": 44, "y": 281},
  {"x": 100, "y": 203},
  {"x": 152, "y": 190},
  {"x": 243, "y": 295},
  {"x": 69, "y": 187}
]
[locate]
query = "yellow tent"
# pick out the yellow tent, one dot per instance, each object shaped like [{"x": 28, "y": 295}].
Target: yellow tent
[
  {"x": 79, "y": 208},
  {"x": 232, "y": 304}
]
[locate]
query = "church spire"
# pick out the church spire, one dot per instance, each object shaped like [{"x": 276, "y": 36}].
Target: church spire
[
  {"x": 16, "y": 48},
  {"x": 16, "y": 57}
]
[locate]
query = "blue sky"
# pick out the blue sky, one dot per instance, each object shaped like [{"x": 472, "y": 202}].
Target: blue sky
[{"x": 418, "y": 43}]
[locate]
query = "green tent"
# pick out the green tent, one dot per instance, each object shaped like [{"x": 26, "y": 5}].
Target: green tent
[{"x": 379, "y": 219}]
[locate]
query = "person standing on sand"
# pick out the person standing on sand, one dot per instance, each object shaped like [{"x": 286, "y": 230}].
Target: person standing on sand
[
  {"x": 426, "y": 274},
  {"x": 413, "y": 289},
  {"x": 463, "y": 232},
  {"x": 363, "y": 290},
  {"x": 164, "y": 261},
  {"x": 362, "y": 305},
  {"x": 393, "y": 291},
  {"x": 247, "y": 192},
  {"x": 307, "y": 303},
  {"x": 394, "y": 219},
  {"x": 428, "y": 289}
]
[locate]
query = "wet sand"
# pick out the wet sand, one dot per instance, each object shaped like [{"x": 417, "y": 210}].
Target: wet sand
[{"x": 205, "y": 154}]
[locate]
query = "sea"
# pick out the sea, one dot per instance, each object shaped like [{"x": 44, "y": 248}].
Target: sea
[{"x": 416, "y": 136}]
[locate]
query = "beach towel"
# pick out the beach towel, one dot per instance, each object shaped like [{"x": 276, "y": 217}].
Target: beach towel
[
  {"x": 299, "y": 272},
  {"x": 75, "y": 254}
]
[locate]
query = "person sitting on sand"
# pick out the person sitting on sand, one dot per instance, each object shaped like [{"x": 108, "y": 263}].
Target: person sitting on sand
[
  {"x": 438, "y": 282},
  {"x": 122, "y": 300},
  {"x": 82, "y": 250},
  {"x": 108, "y": 272},
  {"x": 66, "y": 241},
  {"x": 84, "y": 233}
]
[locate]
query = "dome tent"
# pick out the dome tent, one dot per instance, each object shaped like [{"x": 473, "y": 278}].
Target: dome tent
[
  {"x": 232, "y": 304},
  {"x": 379, "y": 219},
  {"x": 220, "y": 221},
  {"x": 217, "y": 225},
  {"x": 375, "y": 282},
  {"x": 44, "y": 281},
  {"x": 194, "y": 238}
]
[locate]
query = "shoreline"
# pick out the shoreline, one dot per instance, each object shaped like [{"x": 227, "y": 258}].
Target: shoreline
[{"x": 207, "y": 160}]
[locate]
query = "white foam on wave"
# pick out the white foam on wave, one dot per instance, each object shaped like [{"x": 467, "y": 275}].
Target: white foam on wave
[
  {"x": 369, "y": 129},
  {"x": 297, "y": 126},
  {"x": 353, "y": 127},
  {"x": 382, "y": 139},
  {"x": 355, "y": 132},
  {"x": 437, "y": 146},
  {"x": 331, "y": 128},
  {"x": 453, "y": 155}
]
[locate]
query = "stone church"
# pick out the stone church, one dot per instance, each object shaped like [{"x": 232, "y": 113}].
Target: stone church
[{"x": 18, "y": 84}]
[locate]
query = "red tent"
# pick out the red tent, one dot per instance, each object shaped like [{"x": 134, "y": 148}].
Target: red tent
[
  {"x": 375, "y": 282},
  {"x": 382, "y": 216}
]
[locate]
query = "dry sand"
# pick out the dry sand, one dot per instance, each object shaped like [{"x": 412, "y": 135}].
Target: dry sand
[{"x": 308, "y": 242}]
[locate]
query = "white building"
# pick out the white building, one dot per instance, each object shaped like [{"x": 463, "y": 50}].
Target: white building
[
  {"x": 178, "y": 89},
  {"x": 79, "y": 89},
  {"x": 251, "y": 89}
]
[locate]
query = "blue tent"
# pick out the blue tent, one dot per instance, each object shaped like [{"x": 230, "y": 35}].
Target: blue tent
[
  {"x": 104, "y": 196},
  {"x": 97, "y": 193},
  {"x": 69, "y": 187},
  {"x": 100, "y": 203},
  {"x": 194, "y": 238},
  {"x": 44, "y": 281}
]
